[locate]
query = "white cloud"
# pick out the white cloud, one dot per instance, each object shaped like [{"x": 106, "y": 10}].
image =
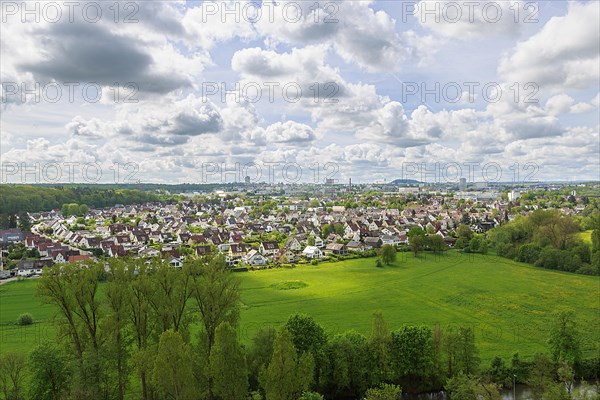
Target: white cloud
[
  {"x": 359, "y": 34},
  {"x": 289, "y": 132},
  {"x": 473, "y": 20},
  {"x": 563, "y": 55}
]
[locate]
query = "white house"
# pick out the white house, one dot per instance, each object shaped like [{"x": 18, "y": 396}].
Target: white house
[
  {"x": 255, "y": 258},
  {"x": 268, "y": 248},
  {"x": 319, "y": 242},
  {"x": 293, "y": 244},
  {"x": 312, "y": 252},
  {"x": 390, "y": 239},
  {"x": 175, "y": 262}
]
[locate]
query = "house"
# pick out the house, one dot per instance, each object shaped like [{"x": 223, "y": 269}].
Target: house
[
  {"x": 319, "y": 242},
  {"x": 312, "y": 252},
  {"x": 116, "y": 251},
  {"x": 91, "y": 242},
  {"x": 336, "y": 248},
  {"x": 11, "y": 236},
  {"x": 285, "y": 255},
  {"x": 373, "y": 242},
  {"x": 352, "y": 231},
  {"x": 25, "y": 272},
  {"x": 450, "y": 241},
  {"x": 78, "y": 258},
  {"x": 293, "y": 244},
  {"x": 255, "y": 258},
  {"x": 355, "y": 245},
  {"x": 202, "y": 251},
  {"x": 390, "y": 239},
  {"x": 236, "y": 252},
  {"x": 35, "y": 264},
  {"x": 148, "y": 252},
  {"x": 176, "y": 262},
  {"x": 268, "y": 248},
  {"x": 59, "y": 255}
]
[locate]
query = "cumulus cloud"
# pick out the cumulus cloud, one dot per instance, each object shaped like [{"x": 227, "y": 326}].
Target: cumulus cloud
[
  {"x": 289, "y": 132},
  {"x": 557, "y": 60},
  {"x": 359, "y": 34}
]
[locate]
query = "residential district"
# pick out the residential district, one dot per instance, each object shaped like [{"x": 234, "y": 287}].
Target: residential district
[{"x": 265, "y": 227}]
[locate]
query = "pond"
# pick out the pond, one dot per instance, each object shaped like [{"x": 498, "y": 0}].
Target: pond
[{"x": 522, "y": 393}]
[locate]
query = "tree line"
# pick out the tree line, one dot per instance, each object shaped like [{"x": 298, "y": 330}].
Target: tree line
[
  {"x": 35, "y": 198},
  {"x": 549, "y": 239},
  {"x": 126, "y": 330}
]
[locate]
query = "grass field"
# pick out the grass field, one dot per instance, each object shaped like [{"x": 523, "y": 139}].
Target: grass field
[
  {"x": 586, "y": 236},
  {"x": 510, "y": 305}
]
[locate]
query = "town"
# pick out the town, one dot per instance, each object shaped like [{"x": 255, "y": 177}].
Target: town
[{"x": 262, "y": 226}]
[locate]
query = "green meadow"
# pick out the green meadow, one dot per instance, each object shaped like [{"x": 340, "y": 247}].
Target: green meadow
[
  {"x": 586, "y": 236},
  {"x": 510, "y": 305}
]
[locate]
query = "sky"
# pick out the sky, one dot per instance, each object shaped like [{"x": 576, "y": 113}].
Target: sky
[{"x": 299, "y": 91}]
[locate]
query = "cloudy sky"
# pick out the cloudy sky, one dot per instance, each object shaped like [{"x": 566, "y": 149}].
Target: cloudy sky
[{"x": 188, "y": 91}]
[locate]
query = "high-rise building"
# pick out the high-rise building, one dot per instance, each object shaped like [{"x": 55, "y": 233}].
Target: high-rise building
[
  {"x": 247, "y": 180},
  {"x": 513, "y": 195},
  {"x": 462, "y": 184}
]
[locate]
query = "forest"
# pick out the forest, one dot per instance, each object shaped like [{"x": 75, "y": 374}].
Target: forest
[{"x": 36, "y": 198}]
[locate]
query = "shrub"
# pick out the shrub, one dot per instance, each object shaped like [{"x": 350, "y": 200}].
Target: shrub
[
  {"x": 25, "y": 319},
  {"x": 311, "y": 396}
]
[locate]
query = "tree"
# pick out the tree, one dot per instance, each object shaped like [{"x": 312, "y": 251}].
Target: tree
[
  {"x": 468, "y": 355},
  {"x": 436, "y": 243},
  {"x": 326, "y": 229},
  {"x": 50, "y": 374},
  {"x": 541, "y": 375},
  {"x": 82, "y": 210},
  {"x": 24, "y": 221},
  {"x": 260, "y": 353},
  {"x": 12, "y": 368},
  {"x": 139, "y": 310},
  {"x": 564, "y": 339},
  {"x": 474, "y": 244},
  {"x": 380, "y": 344},
  {"x": 499, "y": 373},
  {"x": 384, "y": 392},
  {"x": 116, "y": 325},
  {"x": 346, "y": 366},
  {"x": 74, "y": 290},
  {"x": 387, "y": 254},
  {"x": 287, "y": 375},
  {"x": 4, "y": 223},
  {"x": 464, "y": 387},
  {"x": 412, "y": 354},
  {"x": 228, "y": 365},
  {"x": 172, "y": 371},
  {"x": 170, "y": 292},
  {"x": 216, "y": 293},
  {"x": 461, "y": 354},
  {"x": 310, "y": 241},
  {"x": 566, "y": 375},
  {"x": 311, "y": 396},
  {"x": 307, "y": 334},
  {"x": 464, "y": 231},
  {"x": 416, "y": 244}
]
